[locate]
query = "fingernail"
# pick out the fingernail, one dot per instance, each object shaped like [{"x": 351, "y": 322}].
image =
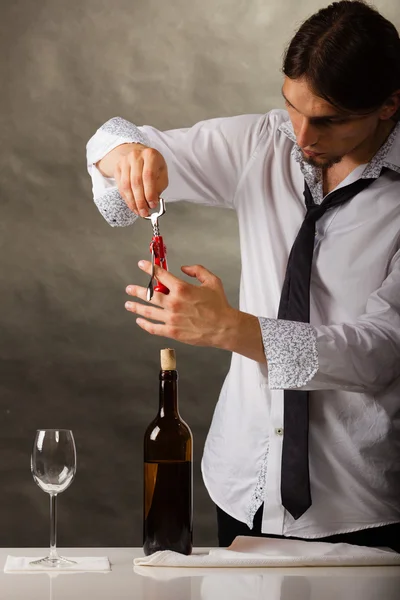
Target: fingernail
[
  {"x": 128, "y": 304},
  {"x": 152, "y": 204},
  {"x": 143, "y": 213},
  {"x": 141, "y": 263},
  {"x": 128, "y": 289}
]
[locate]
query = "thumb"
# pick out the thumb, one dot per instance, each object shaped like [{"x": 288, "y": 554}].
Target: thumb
[{"x": 201, "y": 273}]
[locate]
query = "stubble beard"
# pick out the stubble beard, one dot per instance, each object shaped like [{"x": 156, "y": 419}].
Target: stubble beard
[{"x": 322, "y": 164}]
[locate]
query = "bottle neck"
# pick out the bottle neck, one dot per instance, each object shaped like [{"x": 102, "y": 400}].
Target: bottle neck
[{"x": 168, "y": 394}]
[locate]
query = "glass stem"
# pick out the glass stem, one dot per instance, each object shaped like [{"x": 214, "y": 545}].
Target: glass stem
[{"x": 53, "y": 526}]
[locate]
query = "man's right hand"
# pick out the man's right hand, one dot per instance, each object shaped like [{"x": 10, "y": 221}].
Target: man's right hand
[{"x": 140, "y": 172}]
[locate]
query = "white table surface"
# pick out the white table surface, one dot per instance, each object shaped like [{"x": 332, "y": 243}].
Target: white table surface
[{"x": 318, "y": 583}]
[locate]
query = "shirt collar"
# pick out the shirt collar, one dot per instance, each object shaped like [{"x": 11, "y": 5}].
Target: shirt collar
[
  {"x": 313, "y": 175},
  {"x": 387, "y": 156}
]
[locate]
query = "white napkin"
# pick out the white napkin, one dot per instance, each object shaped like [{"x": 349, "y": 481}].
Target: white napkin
[
  {"x": 20, "y": 564},
  {"x": 270, "y": 552}
]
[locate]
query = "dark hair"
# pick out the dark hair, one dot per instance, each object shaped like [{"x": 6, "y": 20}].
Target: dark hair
[{"x": 349, "y": 54}]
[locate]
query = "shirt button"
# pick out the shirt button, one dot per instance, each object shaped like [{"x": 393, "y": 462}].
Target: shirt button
[{"x": 279, "y": 431}]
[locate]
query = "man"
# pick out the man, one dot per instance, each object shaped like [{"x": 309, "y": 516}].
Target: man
[{"x": 305, "y": 439}]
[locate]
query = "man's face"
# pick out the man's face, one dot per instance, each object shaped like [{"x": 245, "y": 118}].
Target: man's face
[{"x": 324, "y": 133}]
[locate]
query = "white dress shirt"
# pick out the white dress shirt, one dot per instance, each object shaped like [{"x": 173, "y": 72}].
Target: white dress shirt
[{"x": 349, "y": 354}]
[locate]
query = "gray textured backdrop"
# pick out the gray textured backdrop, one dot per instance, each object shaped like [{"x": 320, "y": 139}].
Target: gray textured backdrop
[{"x": 71, "y": 356}]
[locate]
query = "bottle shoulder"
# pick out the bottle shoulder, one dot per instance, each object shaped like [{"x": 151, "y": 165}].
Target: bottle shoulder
[
  {"x": 168, "y": 439},
  {"x": 183, "y": 425},
  {"x": 168, "y": 427}
]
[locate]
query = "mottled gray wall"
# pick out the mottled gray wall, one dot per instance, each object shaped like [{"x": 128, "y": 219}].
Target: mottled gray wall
[{"x": 71, "y": 356}]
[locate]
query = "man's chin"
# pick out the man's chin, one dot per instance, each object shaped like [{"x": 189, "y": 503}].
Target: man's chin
[{"x": 323, "y": 161}]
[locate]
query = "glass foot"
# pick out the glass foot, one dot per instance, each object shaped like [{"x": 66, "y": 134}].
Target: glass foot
[{"x": 53, "y": 562}]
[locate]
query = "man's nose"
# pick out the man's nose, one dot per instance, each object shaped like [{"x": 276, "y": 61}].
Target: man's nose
[{"x": 306, "y": 135}]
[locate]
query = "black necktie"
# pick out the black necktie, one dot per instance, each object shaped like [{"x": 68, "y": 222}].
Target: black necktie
[{"x": 295, "y": 306}]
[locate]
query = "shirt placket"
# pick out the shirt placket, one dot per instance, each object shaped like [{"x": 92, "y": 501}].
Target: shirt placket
[{"x": 273, "y": 511}]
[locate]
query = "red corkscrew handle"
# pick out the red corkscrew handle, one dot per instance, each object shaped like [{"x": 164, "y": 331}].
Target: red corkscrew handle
[{"x": 160, "y": 259}]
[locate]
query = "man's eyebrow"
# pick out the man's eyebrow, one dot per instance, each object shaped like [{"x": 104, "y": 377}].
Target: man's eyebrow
[{"x": 316, "y": 119}]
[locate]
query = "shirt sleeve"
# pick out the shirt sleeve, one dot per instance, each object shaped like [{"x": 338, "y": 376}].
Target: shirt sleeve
[
  {"x": 205, "y": 162},
  {"x": 363, "y": 356}
]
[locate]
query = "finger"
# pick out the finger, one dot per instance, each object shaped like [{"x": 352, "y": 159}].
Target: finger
[
  {"x": 136, "y": 182},
  {"x": 201, "y": 273},
  {"x": 141, "y": 292},
  {"x": 122, "y": 177},
  {"x": 136, "y": 290},
  {"x": 162, "y": 275},
  {"x": 153, "y": 328},
  {"x": 151, "y": 171},
  {"x": 146, "y": 310}
]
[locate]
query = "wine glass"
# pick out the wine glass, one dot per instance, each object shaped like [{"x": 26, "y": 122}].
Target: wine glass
[{"x": 53, "y": 466}]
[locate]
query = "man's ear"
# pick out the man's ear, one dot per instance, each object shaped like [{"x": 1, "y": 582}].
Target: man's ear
[{"x": 391, "y": 106}]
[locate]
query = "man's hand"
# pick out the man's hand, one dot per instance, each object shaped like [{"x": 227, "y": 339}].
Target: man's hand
[
  {"x": 199, "y": 315},
  {"x": 196, "y": 315},
  {"x": 140, "y": 172}
]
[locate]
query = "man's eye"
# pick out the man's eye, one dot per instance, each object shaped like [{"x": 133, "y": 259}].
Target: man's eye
[{"x": 329, "y": 122}]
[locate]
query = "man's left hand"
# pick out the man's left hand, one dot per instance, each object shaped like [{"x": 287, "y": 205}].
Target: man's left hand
[{"x": 199, "y": 315}]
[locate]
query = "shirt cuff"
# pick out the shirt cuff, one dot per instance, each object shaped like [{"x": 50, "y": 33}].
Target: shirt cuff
[
  {"x": 106, "y": 196},
  {"x": 113, "y": 133},
  {"x": 291, "y": 351},
  {"x": 114, "y": 209}
]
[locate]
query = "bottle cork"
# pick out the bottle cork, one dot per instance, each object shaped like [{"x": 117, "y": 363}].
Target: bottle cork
[{"x": 168, "y": 359}]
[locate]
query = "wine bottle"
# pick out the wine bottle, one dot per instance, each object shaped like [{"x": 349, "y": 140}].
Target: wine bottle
[{"x": 168, "y": 471}]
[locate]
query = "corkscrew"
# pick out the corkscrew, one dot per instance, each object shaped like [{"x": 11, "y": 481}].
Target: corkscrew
[{"x": 158, "y": 252}]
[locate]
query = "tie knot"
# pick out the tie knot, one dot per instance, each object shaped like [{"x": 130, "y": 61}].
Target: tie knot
[
  {"x": 335, "y": 198},
  {"x": 315, "y": 211}
]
